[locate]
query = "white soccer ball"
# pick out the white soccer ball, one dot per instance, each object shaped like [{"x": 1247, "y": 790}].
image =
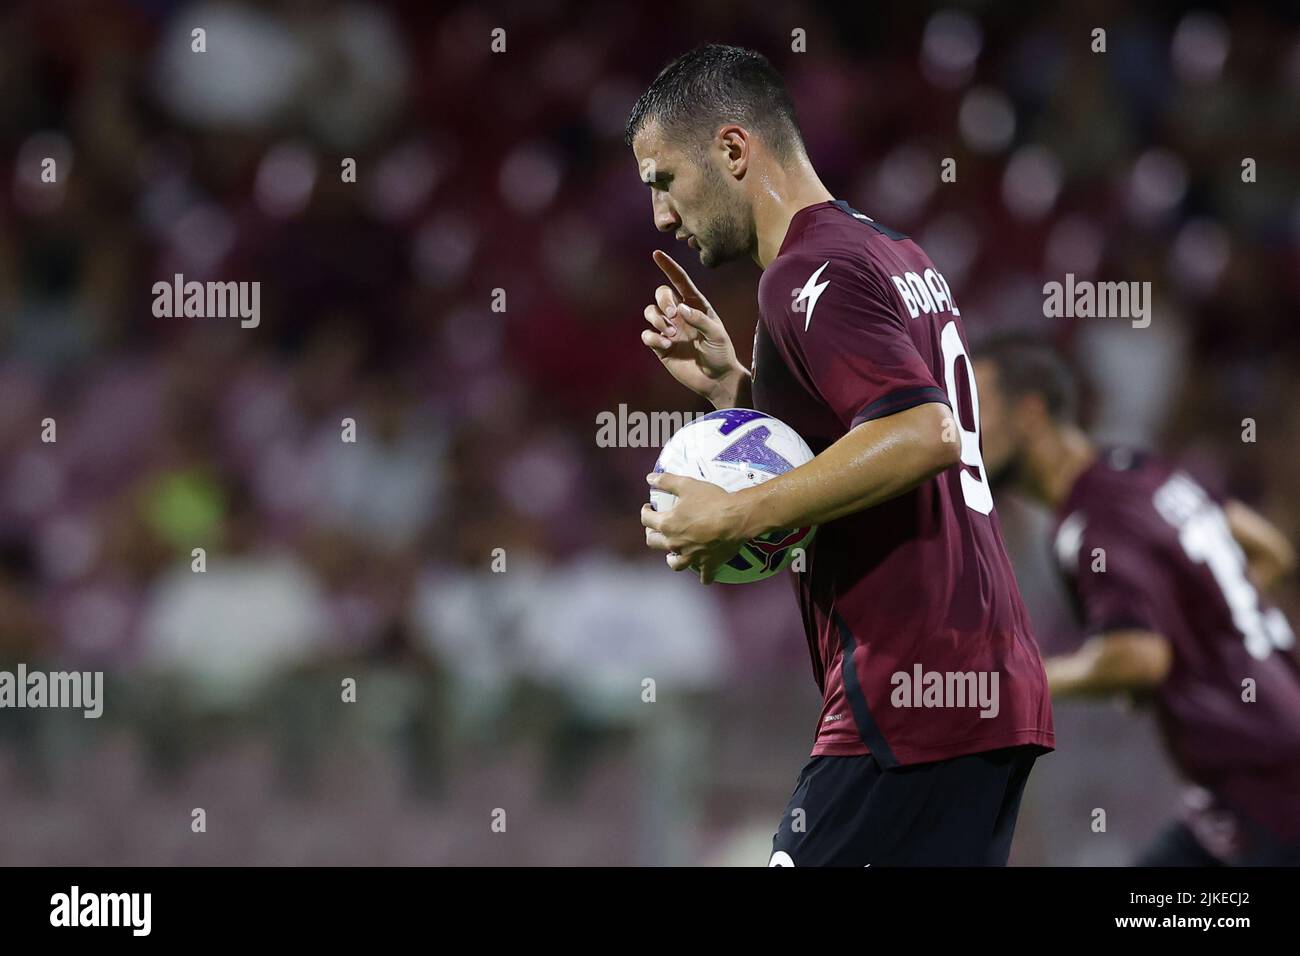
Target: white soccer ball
[{"x": 734, "y": 449}]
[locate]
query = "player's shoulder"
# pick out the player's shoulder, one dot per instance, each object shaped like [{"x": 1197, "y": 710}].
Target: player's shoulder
[
  {"x": 831, "y": 232},
  {"x": 855, "y": 258},
  {"x": 1118, "y": 473},
  {"x": 1112, "y": 496},
  {"x": 840, "y": 234},
  {"x": 795, "y": 268},
  {"x": 840, "y": 272},
  {"x": 1125, "y": 473}
]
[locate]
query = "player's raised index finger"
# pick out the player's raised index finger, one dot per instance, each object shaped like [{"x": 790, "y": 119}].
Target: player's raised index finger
[{"x": 676, "y": 274}]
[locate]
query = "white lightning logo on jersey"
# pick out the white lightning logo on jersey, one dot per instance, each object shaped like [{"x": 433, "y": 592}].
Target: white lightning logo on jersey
[{"x": 811, "y": 291}]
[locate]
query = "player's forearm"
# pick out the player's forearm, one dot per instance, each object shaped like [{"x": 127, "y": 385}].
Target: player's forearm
[
  {"x": 1075, "y": 675},
  {"x": 1110, "y": 665},
  {"x": 873, "y": 463},
  {"x": 1080, "y": 675}
]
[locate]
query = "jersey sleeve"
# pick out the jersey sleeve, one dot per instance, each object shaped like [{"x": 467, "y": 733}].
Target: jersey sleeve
[
  {"x": 845, "y": 333},
  {"x": 1111, "y": 574}
]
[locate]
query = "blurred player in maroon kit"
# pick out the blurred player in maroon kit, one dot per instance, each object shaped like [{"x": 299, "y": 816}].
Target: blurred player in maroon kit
[
  {"x": 935, "y": 703},
  {"x": 1164, "y": 574}
]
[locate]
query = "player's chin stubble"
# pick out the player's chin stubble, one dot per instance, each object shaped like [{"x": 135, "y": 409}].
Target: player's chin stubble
[
  {"x": 722, "y": 241},
  {"x": 722, "y": 237}
]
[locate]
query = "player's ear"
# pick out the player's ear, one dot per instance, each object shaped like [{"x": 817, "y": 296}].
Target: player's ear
[{"x": 734, "y": 142}]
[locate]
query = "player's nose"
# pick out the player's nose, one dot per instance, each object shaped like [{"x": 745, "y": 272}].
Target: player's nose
[{"x": 666, "y": 220}]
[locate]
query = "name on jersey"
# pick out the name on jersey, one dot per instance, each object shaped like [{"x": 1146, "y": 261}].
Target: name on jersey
[{"x": 925, "y": 293}]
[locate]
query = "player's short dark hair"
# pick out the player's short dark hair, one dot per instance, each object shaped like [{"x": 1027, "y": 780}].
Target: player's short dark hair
[
  {"x": 1027, "y": 365},
  {"x": 715, "y": 84}
]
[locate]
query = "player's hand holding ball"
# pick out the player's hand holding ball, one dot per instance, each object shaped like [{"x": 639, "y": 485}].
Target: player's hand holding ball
[
  {"x": 713, "y": 524},
  {"x": 703, "y": 529},
  {"x": 690, "y": 340}
]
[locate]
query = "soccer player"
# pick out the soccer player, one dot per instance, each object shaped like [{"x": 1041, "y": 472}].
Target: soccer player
[
  {"x": 935, "y": 700},
  {"x": 1162, "y": 572}
]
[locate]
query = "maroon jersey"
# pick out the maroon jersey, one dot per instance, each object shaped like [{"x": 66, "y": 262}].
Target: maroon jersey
[
  {"x": 1144, "y": 547},
  {"x": 920, "y": 643}
]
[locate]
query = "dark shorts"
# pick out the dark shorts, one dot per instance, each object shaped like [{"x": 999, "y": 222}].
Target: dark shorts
[{"x": 848, "y": 811}]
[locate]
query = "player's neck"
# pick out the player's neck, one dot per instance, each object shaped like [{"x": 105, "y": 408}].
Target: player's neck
[
  {"x": 1058, "y": 462},
  {"x": 782, "y": 193}
]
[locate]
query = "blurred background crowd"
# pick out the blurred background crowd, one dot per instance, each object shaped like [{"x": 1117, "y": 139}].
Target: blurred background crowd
[{"x": 477, "y": 171}]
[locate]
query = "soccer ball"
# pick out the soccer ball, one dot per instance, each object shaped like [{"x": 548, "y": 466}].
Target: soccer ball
[{"x": 738, "y": 448}]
